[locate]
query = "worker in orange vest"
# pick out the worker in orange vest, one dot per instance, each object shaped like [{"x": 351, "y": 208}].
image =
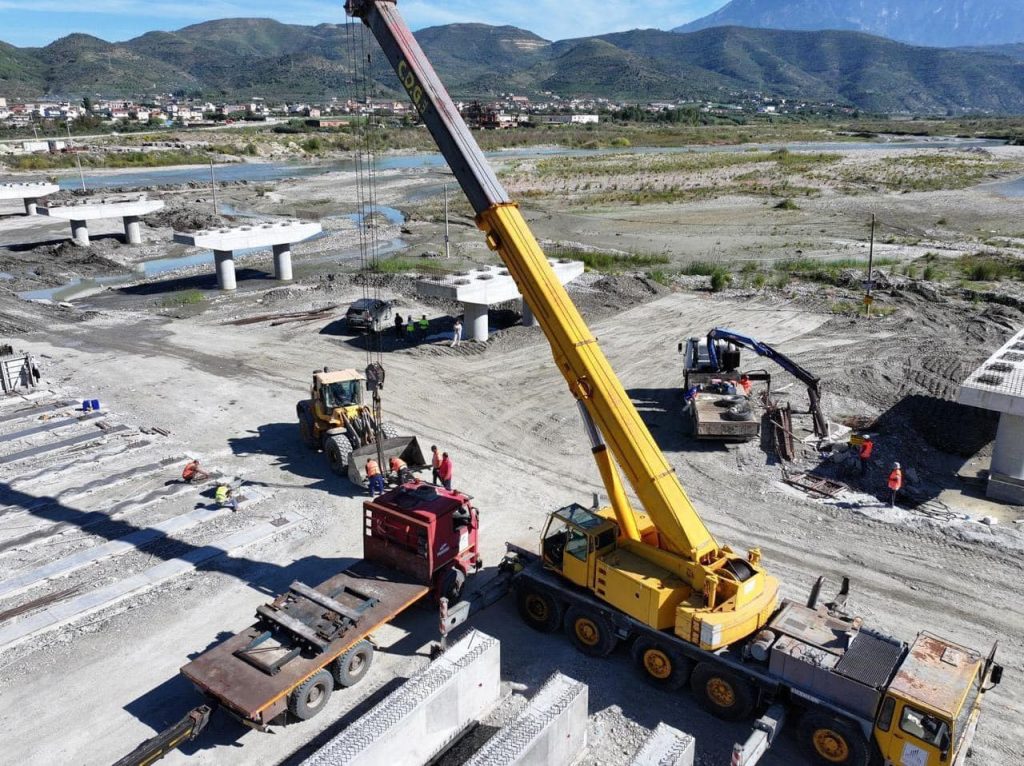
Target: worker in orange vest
[
  {"x": 400, "y": 470},
  {"x": 435, "y": 464},
  {"x": 375, "y": 476},
  {"x": 895, "y": 483},
  {"x": 193, "y": 473},
  {"x": 866, "y": 448},
  {"x": 745, "y": 385}
]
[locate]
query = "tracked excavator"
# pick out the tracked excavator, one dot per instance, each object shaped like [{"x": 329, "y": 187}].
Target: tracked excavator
[{"x": 654, "y": 575}]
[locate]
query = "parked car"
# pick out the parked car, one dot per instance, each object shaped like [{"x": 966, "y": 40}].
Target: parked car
[{"x": 368, "y": 314}]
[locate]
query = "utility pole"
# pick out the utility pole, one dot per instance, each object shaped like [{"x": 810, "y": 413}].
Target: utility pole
[
  {"x": 447, "y": 251},
  {"x": 78, "y": 157},
  {"x": 868, "y": 299},
  {"x": 213, "y": 183}
]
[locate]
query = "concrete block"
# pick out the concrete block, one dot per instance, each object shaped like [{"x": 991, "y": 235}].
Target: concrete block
[
  {"x": 488, "y": 285},
  {"x": 667, "y": 746},
  {"x": 426, "y": 714},
  {"x": 102, "y": 208},
  {"x": 266, "y": 234},
  {"x": 551, "y": 729}
]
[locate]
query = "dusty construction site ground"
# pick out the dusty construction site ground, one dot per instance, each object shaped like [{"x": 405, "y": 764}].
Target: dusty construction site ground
[{"x": 90, "y": 691}]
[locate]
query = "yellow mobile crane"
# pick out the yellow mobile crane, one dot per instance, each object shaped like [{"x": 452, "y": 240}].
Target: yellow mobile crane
[{"x": 693, "y": 610}]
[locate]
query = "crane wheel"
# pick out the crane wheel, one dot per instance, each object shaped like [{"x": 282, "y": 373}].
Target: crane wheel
[
  {"x": 722, "y": 693},
  {"x": 310, "y": 697},
  {"x": 351, "y": 667},
  {"x": 538, "y": 609},
  {"x": 662, "y": 666},
  {"x": 590, "y": 631},
  {"x": 338, "y": 449},
  {"x": 831, "y": 741}
]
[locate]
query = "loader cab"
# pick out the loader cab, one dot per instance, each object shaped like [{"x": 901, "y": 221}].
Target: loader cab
[
  {"x": 572, "y": 540},
  {"x": 337, "y": 389}
]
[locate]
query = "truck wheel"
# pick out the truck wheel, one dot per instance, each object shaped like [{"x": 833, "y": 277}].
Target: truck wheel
[
  {"x": 311, "y": 696},
  {"x": 661, "y": 665},
  {"x": 590, "y": 631},
  {"x": 338, "y": 450},
  {"x": 538, "y": 609},
  {"x": 452, "y": 585},
  {"x": 389, "y": 431},
  {"x": 306, "y": 431},
  {"x": 831, "y": 741},
  {"x": 722, "y": 693},
  {"x": 351, "y": 667}
]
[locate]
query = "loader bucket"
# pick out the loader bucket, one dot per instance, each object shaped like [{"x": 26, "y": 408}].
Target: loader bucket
[{"x": 406, "y": 447}]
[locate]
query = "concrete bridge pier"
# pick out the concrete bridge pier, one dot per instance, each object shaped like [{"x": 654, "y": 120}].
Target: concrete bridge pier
[
  {"x": 225, "y": 263},
  {"x": 132, "y": 230},
  {"x": 283, "y": 262},
  {"x": 31, "y": 205},
  {"x": 475, "y": 327},
  {"x": 79, "y": 232}
]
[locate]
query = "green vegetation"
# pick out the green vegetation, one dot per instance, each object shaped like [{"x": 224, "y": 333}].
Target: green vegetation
[
  {"x": 599, "y": 260},
  {"x": 990, "y": 267},
  {"x": 928, "y": 172},
  {"x": 787, "y": 204},
  {"x": 397, "y": 265},
  {"x": 720, "y": 279},
  {"x": 113, "y": 160},
  {"x": 828, "y": 271},
  {"x": 183, "y": 298}
]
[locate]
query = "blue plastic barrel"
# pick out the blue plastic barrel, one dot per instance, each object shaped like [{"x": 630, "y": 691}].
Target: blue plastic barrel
[
  {"x": 95, "y": 405},
  {"x": 86, "y": 405}
]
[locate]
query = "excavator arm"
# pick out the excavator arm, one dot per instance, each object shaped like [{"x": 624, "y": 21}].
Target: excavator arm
[{"x": 806, "y": 377}]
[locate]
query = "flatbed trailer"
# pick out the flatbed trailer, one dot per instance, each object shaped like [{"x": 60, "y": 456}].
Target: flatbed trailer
[
  {"x": 709, "y": 412},
  {"x": 419, "y": 542}
]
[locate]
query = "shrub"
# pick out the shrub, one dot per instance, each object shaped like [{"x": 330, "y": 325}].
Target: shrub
[
  {"x": 720, "y": 279},
  {"x": 787, "y": 204}
]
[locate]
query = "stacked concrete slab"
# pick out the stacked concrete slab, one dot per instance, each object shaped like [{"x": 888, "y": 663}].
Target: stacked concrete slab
[
  {"x": 998, "y": 385},
  {"x": 551, "y": 729},
  {"x": 487, "y": 286},
  {"x": 30, "y": 193},
  {"x": 80, "y": 213},
  {"x": 667, "y": 746},
  {"x": 279, "y": 235},
  {"x": 419, "y": 720}
]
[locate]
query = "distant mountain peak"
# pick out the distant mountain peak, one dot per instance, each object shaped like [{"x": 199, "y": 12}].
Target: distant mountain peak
[{"x": 947, "y": 24}]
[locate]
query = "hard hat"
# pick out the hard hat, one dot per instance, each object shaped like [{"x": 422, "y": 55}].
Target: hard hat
[{"x": 895, "y": 465}]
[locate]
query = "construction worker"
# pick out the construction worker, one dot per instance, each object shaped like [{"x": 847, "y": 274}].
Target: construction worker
[
  {"x": 225, "y": 497},
  {"x": 399, "y": 327},
  {"x": 375, "y": 476},
  {"x": 410, "y": 330},
  {"x": 193, "y": 473},
  {"x": 400, "y": 470},
  {"x": 435, "y": 464},
  {"x": 457, "y": 333},
  {"x": 444, "y": 471},
  {"x": 423, "y": 325},
  {"x": 895, "y": 483},
  {"x": 864, "y": 453},
  {"x": 745, "y": 385}
]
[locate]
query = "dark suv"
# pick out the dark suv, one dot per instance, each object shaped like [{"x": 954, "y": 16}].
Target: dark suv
[{"x": 368, "y": 314}]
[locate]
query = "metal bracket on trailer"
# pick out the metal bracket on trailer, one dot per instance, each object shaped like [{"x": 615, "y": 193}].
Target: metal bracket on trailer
[{"x": 766, "y": 728}]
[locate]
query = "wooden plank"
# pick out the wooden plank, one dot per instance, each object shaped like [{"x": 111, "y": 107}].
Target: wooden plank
[{"x": 325, "y": 601}]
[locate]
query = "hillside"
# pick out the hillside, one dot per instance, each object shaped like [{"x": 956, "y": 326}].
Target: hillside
[
  {"x": 950, "y": 23},
  {"x": 243, "y": 57}
]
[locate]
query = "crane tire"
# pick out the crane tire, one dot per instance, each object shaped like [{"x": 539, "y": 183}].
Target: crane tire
[
  {"x": 722, "y": 693},
  {"x": 338, "y": 449},
  {"x": 662, "y": 665},
  {"x": 310, "y": 697},
  {"x": 590, "y": 631},
  {"x": 829, "y": 740},
  {"x": 352, "y": 666},
  {"x": 538, "y": 609}
]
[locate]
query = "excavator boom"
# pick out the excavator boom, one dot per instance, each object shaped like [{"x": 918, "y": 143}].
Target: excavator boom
[{"x": 576, "y": 352}]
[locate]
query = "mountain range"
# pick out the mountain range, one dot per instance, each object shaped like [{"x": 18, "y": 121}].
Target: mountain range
[
  {"x": 947, "y": 23},
  {"x": 236, "y": 58}
]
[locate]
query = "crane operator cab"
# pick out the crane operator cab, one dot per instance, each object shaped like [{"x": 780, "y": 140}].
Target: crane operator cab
[{"x": 573, "y": 539}]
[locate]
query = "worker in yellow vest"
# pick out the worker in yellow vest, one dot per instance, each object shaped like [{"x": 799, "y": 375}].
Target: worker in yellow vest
[{"x": 375, "y": 476}]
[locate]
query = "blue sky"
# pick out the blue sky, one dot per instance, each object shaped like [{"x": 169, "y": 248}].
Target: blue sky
[{"x": 38, "y": 22}]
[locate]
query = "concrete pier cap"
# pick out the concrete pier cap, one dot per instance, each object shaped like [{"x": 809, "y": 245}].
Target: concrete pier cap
[
  {"x": 998, "y": 385},
  {"x": 80, "y": 213},
  {"x": 486, "y": 286},
  {"x": 30, "y": 192},
  {"x": 224, "y": 241}
]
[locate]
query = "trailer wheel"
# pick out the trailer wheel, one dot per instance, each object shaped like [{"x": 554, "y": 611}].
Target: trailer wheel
[
  {"x": 452, "y": 585},
  {"x": 722, "y": 693},
  {"x": 306, "y": 431},
  {"x": 590, "y": 631},
  {"x": 661, "y": 665},
  {"x": 351, "y": 667},
  {"x": 311, "y": 696},
  {"x": 831, "y": 741},
  {"x": 338, "y": 450},
  {"x": 538, "y": 609}
]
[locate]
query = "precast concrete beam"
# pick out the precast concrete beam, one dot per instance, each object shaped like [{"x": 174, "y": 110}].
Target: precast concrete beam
[
  {"x": 421, "y": 718},
  {"x": 30, "y": 193},
  {"x": 80, "y": 232},
  {"x": 551, "y": 729},
  {"x": 489, "y": 284},
  {"x": 132, "y": 230},
  {"x": 475, "y": 326},
  {"x": 283, "y": 262},
  {"x": 667, "y": 746},
  {"x": 224, "y": 262}
]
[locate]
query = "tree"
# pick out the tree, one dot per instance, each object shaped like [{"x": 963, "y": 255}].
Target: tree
[{"x": 87, "y": 104}]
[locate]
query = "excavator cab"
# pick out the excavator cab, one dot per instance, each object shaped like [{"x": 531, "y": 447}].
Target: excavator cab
[{"x": 572, "y": 541}]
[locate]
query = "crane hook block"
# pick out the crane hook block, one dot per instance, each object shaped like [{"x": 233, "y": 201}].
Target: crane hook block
[{"x": 374, "y": 376}]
